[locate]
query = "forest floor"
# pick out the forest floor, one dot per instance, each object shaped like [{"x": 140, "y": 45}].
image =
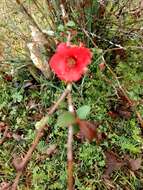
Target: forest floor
[{"x": 112, "y": 89}]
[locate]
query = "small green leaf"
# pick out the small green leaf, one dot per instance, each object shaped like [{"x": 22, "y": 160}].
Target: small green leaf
[
  {"x": 61, "y": 28},
  {"x": 66, "y": 119},
  {"x": 70, "y": 24},
  {"x": 83, "y": 111}
]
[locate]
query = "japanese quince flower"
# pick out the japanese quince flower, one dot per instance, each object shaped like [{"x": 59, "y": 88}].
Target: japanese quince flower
[{"x": 70, "y": 61}]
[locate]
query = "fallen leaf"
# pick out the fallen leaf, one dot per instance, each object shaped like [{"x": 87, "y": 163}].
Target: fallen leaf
[
  {"x": 124, "y": 114},
  {"x": 121, "y": 52},
  {"x": 2, "y": 126},
  {"x": 51, "y": 150},
  {"x": 88, "y": 129},
  {"x": 113, "y": 114},
  {"x": 102, "y": 66},
  {"x": 125, "y": 100},
  {"x": 134, "y": 164},
  {"x": 120, "y": 111},
  {"x": 8, "y": 77},
  {"x": 113, "y": 163},
  {"x": 4, "y": 185}
]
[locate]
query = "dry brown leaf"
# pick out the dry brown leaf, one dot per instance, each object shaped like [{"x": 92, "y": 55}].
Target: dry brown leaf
[
  {"x": 89, "y": 131},
  {"x": 102, "y": 66},
  {"x": 134, "y": 164},
  {"x": 34, "y": 47},
  {"x": 51, "y": 150},
  {"x": 5, "y": 186},
  {"x": 113, "y": 163},
  {"x": 7, "y": 77}
]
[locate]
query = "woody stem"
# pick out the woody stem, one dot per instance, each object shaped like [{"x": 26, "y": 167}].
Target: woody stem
[{"x": 69, "y": 147}]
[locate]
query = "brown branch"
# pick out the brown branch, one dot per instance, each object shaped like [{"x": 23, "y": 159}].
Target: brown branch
[
  {"x": 22, "y": 165},
  {"x": 69, "y": 148},
  {"x": 54, "y": 107},
  {"x": 16, "y": 181},
  {"x": 41, "y": 125}
]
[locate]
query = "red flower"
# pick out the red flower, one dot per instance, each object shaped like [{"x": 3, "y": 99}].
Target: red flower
[{"x": 69, "y": 62}]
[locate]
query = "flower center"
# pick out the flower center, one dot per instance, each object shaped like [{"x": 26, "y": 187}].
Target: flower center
[{"x": 71, "y": 61}]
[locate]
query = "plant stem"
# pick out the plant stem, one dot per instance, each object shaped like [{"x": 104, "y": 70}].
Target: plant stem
[{"x": 69, "y": 147}]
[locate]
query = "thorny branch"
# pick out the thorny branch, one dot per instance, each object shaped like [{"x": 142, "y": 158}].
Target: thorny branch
[{"x": 42, "y": 124}]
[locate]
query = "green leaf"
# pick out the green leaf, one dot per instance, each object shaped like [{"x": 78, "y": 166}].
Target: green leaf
[
  {"x": 66, "y": 119},
  {"x": 83, "y": 111},
  {"x": 70, "y": 24},
  {"x": 75, "y": 129},
  {"x": 61, "y": 28}
]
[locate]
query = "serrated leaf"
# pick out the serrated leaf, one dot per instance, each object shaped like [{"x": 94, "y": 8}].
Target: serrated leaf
[
  {"x": 66, "y": 119},
  {"x": 83, "y": 111}
]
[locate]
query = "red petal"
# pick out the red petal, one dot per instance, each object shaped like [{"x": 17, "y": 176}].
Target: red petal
[{"x": 60, "y": 65}]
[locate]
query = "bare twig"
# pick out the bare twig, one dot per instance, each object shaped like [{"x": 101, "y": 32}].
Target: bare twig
[
  {"x": 42, "y": 124},
  {"x": 88, "y": 36},
  {"x": 22, "y": 165},
  {"x": 53, "y": 108},
  {"x": 16, "y": 181},
  {"x": 69, "y": 147},
  {"x": 140, "y": 120}
]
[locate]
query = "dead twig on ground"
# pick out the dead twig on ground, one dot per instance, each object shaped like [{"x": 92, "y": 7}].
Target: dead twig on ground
[{"x": 41, "y": 125}]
